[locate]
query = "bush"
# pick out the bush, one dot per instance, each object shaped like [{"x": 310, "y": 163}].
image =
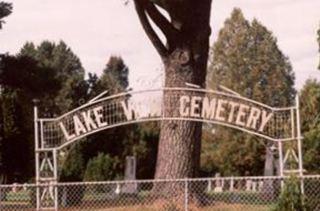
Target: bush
[
  {"x": 72, "y": 171},
  {"x": 312, "y": 192},
  {"x": 71, "y": 195},
  {"x": 291, "y": 198},
  {"x": 100, "y": 168}
]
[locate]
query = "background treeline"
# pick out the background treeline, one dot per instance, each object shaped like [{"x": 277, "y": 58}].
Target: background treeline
[{"x": 245, "y": 58}]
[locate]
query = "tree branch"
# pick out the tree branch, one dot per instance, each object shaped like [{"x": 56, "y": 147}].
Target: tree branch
[
  {"x": 156, "y": 41},
  {"x": 162, "y": 22}
]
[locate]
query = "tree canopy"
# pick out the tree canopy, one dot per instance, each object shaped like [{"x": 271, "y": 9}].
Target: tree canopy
[
  {"x": 5, "y": 10},
  {"x": 247, "y": 60},
  {"x": 48, "y": 72},
  {"x": 319, "y": 46},
  {"x": 67, "y": 72},
  {"x": 310, "y": 124}
]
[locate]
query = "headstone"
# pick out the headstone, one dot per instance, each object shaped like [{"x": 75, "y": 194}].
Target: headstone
[
  {"x": 130, "y": 168},
  {"x": 231, "y": 184},
  {"x": 14, "y": 187},
  {"x": 248, "y": 185},
  {"x": 219, "y": 184},
  {"x": 64, "y": 197},
  {"x": 118, "y": 189},
  {"x": 130, "y": 175},
  {"x": 254, "y": 186},
  {"x": 25, "y": 186},
  {"x": 260, "y": 185},
  {"x": 209, "y": 186}
]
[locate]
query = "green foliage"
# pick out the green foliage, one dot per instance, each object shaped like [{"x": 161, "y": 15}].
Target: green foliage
[
  {"x": 53, "y": 74},
  {"x": 2, "y": 162},
  {"x": 319, "y": 45},
  {"x": 245, "y": 58},
  {"x": 67, "y": 72},
  {"x": 139, "y": 140},
  {"x": 100, "y": 168},
  {"x": 291, "y": 198},
  {"x": 115, "y": 144},
  {"x": 31, "y": 76},
  {"x": 310, "y": 120},
  {"x": 74, "y": 165},
  {"x": 49, "y": 72},
  {"x": 5, "y": 10},
  {"x": 312, "y": 196},
  {"x": 146, "y": 149},
  {"x": 115, "y": 76},
  {"x": 13, "y": 137}
]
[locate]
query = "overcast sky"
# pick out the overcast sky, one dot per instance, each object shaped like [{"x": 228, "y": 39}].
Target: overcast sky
[{"x": 97, "y": 29}]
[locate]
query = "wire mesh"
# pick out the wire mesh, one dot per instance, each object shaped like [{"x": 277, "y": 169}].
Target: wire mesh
[{"x": 208, "y": 194}]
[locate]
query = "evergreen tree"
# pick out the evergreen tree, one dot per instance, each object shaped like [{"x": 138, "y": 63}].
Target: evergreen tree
[
  {"x": 115, "y": 143},
  {"x": 49, "y": 72},
  {"x": 112, "y": 142},
  {"x": 291, "y": 197},
  {"x": 131, "y": 140},
  {"x": 246, "y": 59},
  {"x": 5, "y": 10},
  {"x": 68, "y": 74},
  {"x": 147, "y": 149},
  {"x": 115, "y": 75},
  {"x": 310, "y": 120},
  {"x": 319, "y": 45},
  {"x": 74, "y": 165},
  {"x": 20, "y": 79}
]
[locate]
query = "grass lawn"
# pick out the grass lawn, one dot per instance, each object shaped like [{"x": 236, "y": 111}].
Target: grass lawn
[{"x": 100, "y": 202}]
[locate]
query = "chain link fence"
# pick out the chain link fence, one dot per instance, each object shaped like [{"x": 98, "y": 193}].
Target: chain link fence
[{"x": 209, "y": 194}]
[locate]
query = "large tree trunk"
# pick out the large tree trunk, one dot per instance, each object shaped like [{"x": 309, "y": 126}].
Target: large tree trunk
[
  {"x": 185, "y": 57},
  {"x": 180, "y": 141}
]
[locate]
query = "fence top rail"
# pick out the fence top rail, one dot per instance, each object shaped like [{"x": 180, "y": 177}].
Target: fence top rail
[{"x": 119, "y": 182}]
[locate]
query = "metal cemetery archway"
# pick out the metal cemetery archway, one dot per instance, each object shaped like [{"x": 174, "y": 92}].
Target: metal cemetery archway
[{"x": 279, "y": 125}]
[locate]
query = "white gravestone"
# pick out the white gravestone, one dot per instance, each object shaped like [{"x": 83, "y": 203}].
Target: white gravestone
[
  {"x": 219, "y": 184},
  {"x": 130, "y": 175}
]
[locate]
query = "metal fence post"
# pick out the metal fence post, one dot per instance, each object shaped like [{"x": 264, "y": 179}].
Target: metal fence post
[
  {"x": 37, "y": 157},
  {"x": 186, "y": 195},
  {"x": 299, "y": 139}
]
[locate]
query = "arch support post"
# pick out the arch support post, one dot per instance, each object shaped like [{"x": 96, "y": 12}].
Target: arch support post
[
  {"x": 46, "y": 170},
  {"x": 299, "y": 142},
  {"x": 290, "y": 152},
  {"x": 281, "y": 164}
]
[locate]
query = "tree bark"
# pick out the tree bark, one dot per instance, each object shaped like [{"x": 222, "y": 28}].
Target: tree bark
[
  {"x": 180, "y": 141},
  {"x": 184, "y": 56}
]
